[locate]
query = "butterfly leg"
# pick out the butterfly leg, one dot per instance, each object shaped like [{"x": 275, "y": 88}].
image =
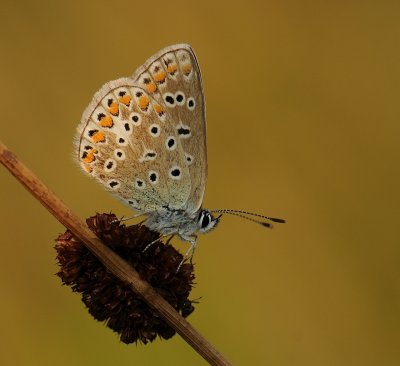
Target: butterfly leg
[
  {"x": 123, "y": 219},
  {"x": 169, "y": 239},
  {"x": 155, "y": 241},
  {"x": 192, "y": 240}
]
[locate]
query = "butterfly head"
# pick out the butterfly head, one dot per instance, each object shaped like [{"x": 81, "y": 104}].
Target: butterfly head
[{"x": 206, "y": 221}]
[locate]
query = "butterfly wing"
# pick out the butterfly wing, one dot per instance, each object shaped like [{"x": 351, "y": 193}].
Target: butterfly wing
[
  {"x": 130, "y": 136},
  {"x": 174, "y": 77}
]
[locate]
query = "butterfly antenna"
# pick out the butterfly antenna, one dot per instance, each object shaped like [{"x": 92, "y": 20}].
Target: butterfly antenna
[
  {"x": 242, "y": 213},
  {"x": 263, "y": 223}
]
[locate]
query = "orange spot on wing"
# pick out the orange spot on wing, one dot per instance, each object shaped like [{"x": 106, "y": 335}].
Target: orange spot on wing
[
  {"x": 186, "y": 69},
  {"x": 99, "y": 137},
  {"x": 160, "y": 76},
  {"x": 88, "y": 157},
  {"x": 158, "y": 108},
  {"x": 126, "y": 99},
  {"x": 151, "y": 87},
  {"x": 114, "y": 109},
  {"x": 106, "y": 121},
  {"x": 143, "y": 102},
  {"x": 88, "y": 168},
  {"x": 172, "y": 68}
]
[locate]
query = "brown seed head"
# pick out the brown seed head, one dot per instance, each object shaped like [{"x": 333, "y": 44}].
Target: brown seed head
[{"x": 112, "y": 301}]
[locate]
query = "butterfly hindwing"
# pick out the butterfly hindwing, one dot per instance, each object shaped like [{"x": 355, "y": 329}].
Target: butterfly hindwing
[{"x": 174, "y": 78}]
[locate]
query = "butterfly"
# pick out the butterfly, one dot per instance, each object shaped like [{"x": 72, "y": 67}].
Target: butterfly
[{"x": 143, "y": 138}]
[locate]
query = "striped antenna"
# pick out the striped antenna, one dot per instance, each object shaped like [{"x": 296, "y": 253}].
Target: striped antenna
[
  {"x": 266, "y": 224},
  {"x": 242, "y": 214}
]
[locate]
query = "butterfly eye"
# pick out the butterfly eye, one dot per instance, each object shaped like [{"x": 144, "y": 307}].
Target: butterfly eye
[{"x": 205, "y": 220}]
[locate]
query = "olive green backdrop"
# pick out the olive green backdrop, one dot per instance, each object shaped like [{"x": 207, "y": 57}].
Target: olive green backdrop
[{"x": 303, "y": 123}]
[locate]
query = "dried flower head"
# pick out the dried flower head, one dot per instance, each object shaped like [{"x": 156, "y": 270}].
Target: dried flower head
[{"x": 112, "y": 301}]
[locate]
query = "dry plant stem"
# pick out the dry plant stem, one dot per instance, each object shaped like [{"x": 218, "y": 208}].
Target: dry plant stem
[{"x": 112, "y": 261}]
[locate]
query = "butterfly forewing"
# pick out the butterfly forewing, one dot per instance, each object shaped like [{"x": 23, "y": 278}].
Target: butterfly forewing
[{"x": 144, "y": 137}]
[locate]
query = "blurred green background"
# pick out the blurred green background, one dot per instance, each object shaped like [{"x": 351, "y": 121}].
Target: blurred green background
[{"x": 317, "y": 143}]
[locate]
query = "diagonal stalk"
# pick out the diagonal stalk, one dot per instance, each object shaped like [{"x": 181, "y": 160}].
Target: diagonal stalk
[{"x": 112, "y": 261}]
